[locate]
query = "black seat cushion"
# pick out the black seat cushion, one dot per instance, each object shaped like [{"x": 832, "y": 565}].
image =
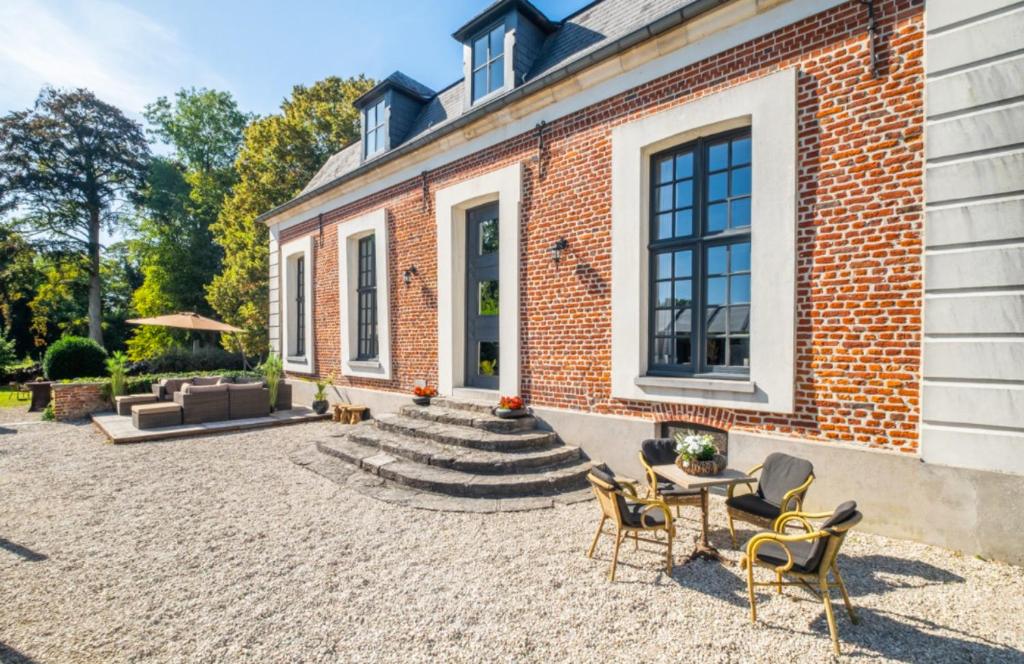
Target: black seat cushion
[
  {"x": 781, "y": 474},
  {"x": 803, "y": 555},
  {"x": 670, "y": 490},
  {"x": 658, "y": 451},
  {"x": 751, "y": 503},
  {"x": 653, "y": 517}
]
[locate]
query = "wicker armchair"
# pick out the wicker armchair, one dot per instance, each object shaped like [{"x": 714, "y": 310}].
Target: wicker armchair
[
  {"x": 631, "y": 515},
  {"x": 657, "y": 452},
  {"x": 808, "y": 558},
  {"x": 203, "y": 403},
  {"x": 781, "y": 487},
  {"x": 248, "y": 400}
]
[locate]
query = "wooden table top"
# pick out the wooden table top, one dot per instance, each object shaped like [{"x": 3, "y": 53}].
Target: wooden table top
[{"x": 674, "y": 474}]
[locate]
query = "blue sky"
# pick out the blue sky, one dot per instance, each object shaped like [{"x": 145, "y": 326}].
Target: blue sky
[{"x": 129, "y": 53}]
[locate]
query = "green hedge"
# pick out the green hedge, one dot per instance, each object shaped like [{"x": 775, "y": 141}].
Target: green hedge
[
  {"x": 71, "y": 357},
  {"x": 143, "y": 384}
]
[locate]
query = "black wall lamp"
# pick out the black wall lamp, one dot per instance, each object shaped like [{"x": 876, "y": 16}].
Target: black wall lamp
[
  {"x": 557, "y": 248},
  {"x": 408, "y": 274}
]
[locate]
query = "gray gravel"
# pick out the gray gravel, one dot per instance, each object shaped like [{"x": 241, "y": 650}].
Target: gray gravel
[{"x": 220, "y": 549}]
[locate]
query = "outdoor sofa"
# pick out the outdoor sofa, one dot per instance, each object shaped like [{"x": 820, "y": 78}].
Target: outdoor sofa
[{"x": 207, "y": 399}]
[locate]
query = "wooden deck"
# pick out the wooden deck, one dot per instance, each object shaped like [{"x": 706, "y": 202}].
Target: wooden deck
[{"x": 120, "y": 429}]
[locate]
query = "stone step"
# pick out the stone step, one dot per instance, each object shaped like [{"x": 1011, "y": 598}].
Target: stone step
[
  {"x": 454, "y": 434},
  {"x": 469, "y": 418},
  {"x": 567, "y": 477},
  {"x": 453, "y": 403},
  {"x": 465, "y": 459}
]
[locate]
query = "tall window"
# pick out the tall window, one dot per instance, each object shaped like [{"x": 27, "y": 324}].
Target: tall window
[
  {"x": 300, "y": 306},
  {"x": 489, "y": 62},
  {"x": 366, "y": 293},
  {"x": 373, "y": 141},
  {"x": 700, "y": 257}
]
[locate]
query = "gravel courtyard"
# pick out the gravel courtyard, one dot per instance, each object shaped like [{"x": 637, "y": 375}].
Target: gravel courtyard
[{"x": 221, "y": 549}]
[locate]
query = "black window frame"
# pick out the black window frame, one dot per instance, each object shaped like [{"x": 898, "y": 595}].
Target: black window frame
[
  {"x": 698, "y": 243},
  {"x": 367, "y": 347},
  {"x": 486, "y": 66},
  {"x": 300, "y": 307}
]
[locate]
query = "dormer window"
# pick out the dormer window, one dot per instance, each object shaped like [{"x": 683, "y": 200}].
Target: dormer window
[
  {"x": 489, "y": 62},
  {"x": 374, "y": 121}
]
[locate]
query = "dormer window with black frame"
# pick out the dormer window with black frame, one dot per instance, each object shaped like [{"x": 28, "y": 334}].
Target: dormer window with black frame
[
  {"x": 489, "y": 62},
  {"x": 375, "y": 123}
]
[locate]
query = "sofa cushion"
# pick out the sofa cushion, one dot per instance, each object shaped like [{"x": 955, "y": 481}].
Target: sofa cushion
[
  {"x": 203, "y": 389},
  {"x": 208, "y": 380},
  {"x": 244, "y": 387}
]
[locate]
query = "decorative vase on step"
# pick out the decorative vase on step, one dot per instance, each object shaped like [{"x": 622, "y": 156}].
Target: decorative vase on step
[
  {"x": 320, "y": 406},
  {"x": 421, "y": 401},
  {"x": 509, "y": 413}
]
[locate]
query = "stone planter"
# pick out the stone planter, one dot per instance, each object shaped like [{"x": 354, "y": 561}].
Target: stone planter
[
  {"x": 320, "y": 406},
  {"x": 508, "y": 413}
]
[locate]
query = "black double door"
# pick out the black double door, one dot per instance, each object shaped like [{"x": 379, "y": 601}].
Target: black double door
[{"x": 482, "y": 306}]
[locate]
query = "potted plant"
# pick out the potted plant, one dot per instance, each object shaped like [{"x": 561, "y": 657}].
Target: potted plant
[
  {"x": 320, "y": 397},
  {"x": 422, "y": 394},
  {"x": 509, "y": 407},
  {"x": 117, "y": 366},
  {"x": 698, "y": 454},
  {"x": 273, "y": 370}
]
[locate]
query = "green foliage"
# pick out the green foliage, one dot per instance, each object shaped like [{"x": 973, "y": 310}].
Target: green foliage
[
  {"x": 181, "y": 359},
  {"x": 71, "y": 357},
  {"x": 19, "y": 278},
  {"x": 48, "y": 414},
  {"x": 143, "y": 384},
  {"x": 273, "y": 371},
  {"x": 117, "y": 367},
  {"x": 278, "y": 157},
  {"x": 321, "y": 388},
  {"x": 66, "y": 163},
  {"x": 8, "y": 354}
]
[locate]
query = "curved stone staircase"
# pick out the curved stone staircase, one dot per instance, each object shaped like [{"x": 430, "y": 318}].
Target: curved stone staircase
[{"x": 458, "y": 448}]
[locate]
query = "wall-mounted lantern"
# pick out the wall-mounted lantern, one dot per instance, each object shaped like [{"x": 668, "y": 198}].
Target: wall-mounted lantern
[
  {"x": 408, "y": 274},
  {"x": 557, "y": 248}
]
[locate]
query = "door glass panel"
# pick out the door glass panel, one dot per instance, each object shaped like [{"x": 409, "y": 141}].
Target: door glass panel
[
  {"x": 488, "y": 298},
  {"x": 487, "y": 355},
  {"x": 488, "y": 236}
]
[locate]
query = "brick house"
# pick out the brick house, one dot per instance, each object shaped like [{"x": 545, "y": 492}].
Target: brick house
[{"x": 734, "y": 214}]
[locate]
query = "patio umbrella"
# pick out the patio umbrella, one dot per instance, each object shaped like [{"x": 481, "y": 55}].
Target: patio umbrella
[{"x": 188, "y": 320}]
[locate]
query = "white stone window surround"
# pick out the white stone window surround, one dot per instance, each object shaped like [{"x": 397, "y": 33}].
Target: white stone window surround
[
  {"x": 768, "y": 106},
  {"x": 451, "y": 204},
  {"x": 290, "y": 253},
  {"x": 349, "y": 233}
]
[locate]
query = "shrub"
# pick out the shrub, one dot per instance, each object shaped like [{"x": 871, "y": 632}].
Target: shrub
[
  {"x": 182, "y": 359},
  {"x": 117, "y": 365},
  {"x": 273, "y": 370},
  {"x": 73, "y": 357},
  {"x": 48, "y": 414},
  {"x": 8, "y": 356}
]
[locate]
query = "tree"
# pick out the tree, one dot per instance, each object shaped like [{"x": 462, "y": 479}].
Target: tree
[
  {"x": 279, "y": 155},
  {"x": 69, "y": 162},
  {"x": 181, "y": 199},
  {"x": 19, "y": 278}
]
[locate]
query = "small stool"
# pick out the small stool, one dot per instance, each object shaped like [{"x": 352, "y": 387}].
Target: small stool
[
  {"x": 338, "y": 414},
  {"x": 125, "y": 402},
  {"x": 355, "y": 414},
  {"x": 153, "y": 415}
]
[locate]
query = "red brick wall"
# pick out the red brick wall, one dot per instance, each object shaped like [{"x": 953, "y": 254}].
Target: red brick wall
[
  {"x": 859, "y": 247},
  {"x": 73, "y": 401}
]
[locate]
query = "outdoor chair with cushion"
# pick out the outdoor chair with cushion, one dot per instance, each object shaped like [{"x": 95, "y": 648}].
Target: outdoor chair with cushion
[
  {"x": 657, "y": 452},
  {"x": 202, "y": 403},
  {"x": 248, "y": 400},
  {"x": 780, "y": 488},
  {"x": 165, "y": 389},
  {"x": 631, "y": 515},
  {"x": 808, "y": 558}
]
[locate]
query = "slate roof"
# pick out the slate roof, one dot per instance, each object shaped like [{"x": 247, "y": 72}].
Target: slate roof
[
  {"x": 401, "y": 81},
  {"x": 598, "y": 24}
]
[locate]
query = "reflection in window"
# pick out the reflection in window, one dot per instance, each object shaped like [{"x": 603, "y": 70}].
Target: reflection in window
[
  {"x": 488, "y": 298},
  {"x": 489, "y": 62},
  {"x": 487, "y": 354},
  {"x": 488, "y": 236}
]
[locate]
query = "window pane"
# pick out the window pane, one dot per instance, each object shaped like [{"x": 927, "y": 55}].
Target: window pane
[
  {"x": 497, "y": 74},
  {"x": 488, "y": 354},
  {"x": 739, "y": 288},
  {"x": 664, "y": 197},
  {"x": 741, "y": 151},
  {"x": 664, "y": 226},
  {"x": 717, "y": 260},
  {"x": 741, "y": 181},
  {"x": 684, "y": 264},
  {"x": 379, "y": 136},
  {"x": 684, "y": 165},
  {"x": 683, "y": 292},
  {"x": 740, "y": 257},
  {"x": 489, "y": 298},
  {"x": 683, "y": 350},
  {"x": 371, "y": 117},
  {"x": 716, "y": 319},
  {"x": 684, "y": 320},
  {"x": 684, "y": 193},
  {"x": 497, "y": 41},
  {"x": 664, "y": 294},
  {"x": 663, "y": 170},
  {"x": 739, "y": 319},
  {"x": 479, "y": 52},
  {"x": 488, "y": 236},
  {"x": 740, "y": 213},
  {"x": 684, "y": 222},
  {"x": 715, "y": 351},
  {"x": 718, "y": 156},
  {"x": 716, "y": 291},
  {"x": 479, "y": 83},
  {"x": 718, "y": 187},
  {"x": 717, "y": 214},
  {"x": 663, "y": 321},
  {"x": 664, "y": 270},
  {"x": 661, "y": 352},
  {"x": 739, "y": 352}
]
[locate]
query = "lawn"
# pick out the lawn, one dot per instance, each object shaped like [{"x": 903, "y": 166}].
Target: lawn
[{"x": 9, "y": 398}]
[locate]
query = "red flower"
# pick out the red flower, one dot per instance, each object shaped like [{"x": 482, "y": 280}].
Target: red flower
[
  {"x": 511, "y": 403},
  {"x": 424, "y": 391}
]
